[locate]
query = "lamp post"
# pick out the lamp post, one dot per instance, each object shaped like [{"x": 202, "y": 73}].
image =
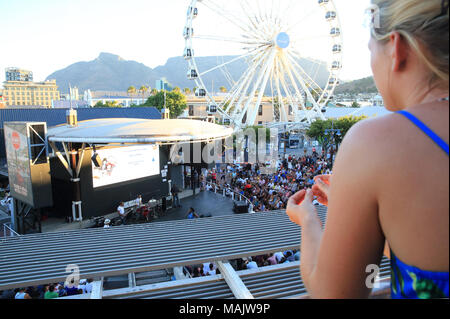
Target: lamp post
[{"x": 332, "y": 133}]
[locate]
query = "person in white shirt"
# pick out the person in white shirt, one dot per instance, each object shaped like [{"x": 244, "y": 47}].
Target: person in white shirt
[
  {"x": 122, "y": 214},
  {"x": 107, "y": 223},
  {"x": 279, "y": 255},
  {"x": 87, "y": 289},
  {"x": 251, "y": 264},
  {"x": 139, "y": 201}
]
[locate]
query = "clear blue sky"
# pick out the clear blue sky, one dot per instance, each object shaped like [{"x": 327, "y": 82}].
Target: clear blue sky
[{"x": 47, "y": 35}]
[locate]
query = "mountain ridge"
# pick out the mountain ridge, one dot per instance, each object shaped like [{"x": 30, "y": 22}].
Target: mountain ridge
[{"x": 110, "y": 72}]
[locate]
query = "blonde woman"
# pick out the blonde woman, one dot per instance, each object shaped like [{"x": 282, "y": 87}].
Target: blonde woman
[{"x": 390, "y": 183}]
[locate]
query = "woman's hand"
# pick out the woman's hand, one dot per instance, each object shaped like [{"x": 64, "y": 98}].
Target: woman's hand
[
  {"x": 321, "y": 188},
  {"x": 300, "y": 206}
]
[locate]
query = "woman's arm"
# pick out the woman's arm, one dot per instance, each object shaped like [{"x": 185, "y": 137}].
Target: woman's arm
[{"x": 334, "y": 262}]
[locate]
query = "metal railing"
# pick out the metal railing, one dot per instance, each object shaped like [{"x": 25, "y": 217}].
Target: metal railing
[
  {"x": 234, "y": 194},
  {"x": 8, "y": 231}
]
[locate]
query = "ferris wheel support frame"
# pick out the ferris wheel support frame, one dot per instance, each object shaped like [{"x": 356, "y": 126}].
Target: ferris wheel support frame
[{"x": 291, "y": 78}]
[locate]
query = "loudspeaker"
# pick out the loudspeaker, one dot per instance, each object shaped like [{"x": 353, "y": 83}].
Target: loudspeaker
[
  {"x": 240, "y": 207},
  {"x": 96, "y": 160}
]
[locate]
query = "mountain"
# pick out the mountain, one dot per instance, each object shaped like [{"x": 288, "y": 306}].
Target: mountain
[
  {"x": 366, "y": 85},
  {"x": 110, "y": 72}
]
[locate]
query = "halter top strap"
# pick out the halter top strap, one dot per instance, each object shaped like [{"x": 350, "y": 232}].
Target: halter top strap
[{"x": 439, "y": 141}]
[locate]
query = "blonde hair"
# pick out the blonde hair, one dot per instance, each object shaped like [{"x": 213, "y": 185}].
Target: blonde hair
[{"x": 424, "y": 25}]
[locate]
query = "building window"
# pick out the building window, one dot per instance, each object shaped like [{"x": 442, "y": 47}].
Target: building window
[
  {"x": 191, "y": 110},
  {"x": 260, "y": 122},
  {"x": 290, "y": 110},
  {"x": 260, "y": 110}
]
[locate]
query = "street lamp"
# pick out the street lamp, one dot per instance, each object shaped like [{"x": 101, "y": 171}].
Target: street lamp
[{"x": 332, "y": 133}]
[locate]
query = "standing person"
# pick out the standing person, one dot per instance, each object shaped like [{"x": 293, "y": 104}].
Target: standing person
[
  {"x": 175, "y": 191},
  {"x": 139, "y": 201},
  {"x": 122, "y": 213},
  {"x": 409, "y": 56}
]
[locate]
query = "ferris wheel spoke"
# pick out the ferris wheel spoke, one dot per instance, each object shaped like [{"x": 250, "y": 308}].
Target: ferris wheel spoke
[
  {"x": 231, "y": 61},
  {"x": 310, "y": 38},
  {"x": 253, "y": 25},
  {"x": 311, "y": 83},
  {"x": 226, "y": 39},
  {"x": 315, "y": 64},
  {"x": 290, "y": 8},
  {"x": 304, "y": 18},
  {"x": 283, "y": 116},
  {"x": 256, "y": 85},
  {"x": 219, "y": 10},
  {"x": 248, "y": 81},
  {"x": 252, "y": 118},
  {"x": 309, "y": 95},
  {"x": 288, "y": 94},
  {"x": 288, "y": 68}
]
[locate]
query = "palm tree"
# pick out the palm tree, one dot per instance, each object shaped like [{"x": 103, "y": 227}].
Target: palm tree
[
  {"x": 187, "y": 91},
  {"x": 143, "y": 90},
  {"x": 223, "y": 89},
  {"x": 154, "y": 91},
  {"x": 131, "y": 90}
]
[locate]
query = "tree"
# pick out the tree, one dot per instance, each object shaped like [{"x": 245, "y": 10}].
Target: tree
[
  {"x": 107, "y": 104},
  {"x": 317, "y": 130},
  {"x": 175, "y": 102},
  {"x": 131, "y": 90},
  {"x": 154, "y": 91},
  {"x": 143, "y": 90},
  {"x": 355, "y": 105},
  {"x": 223, "y": 89},
  {"x": 176, "y": 89},
  {"x": 187, "y": 91}
]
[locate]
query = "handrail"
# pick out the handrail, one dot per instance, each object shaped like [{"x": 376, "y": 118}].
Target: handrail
[
  {"x": 233, "y": 194},
  {"x": 187, "y": 272},
  {"x": 7, "y": 229}
]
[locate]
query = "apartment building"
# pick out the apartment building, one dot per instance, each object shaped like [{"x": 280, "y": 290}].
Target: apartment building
[
  {"x": 27, "y": 93},
  {"x": 198, "y": 107}
]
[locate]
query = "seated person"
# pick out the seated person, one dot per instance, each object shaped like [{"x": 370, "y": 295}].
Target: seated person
[{"x": 192, "y": 214}]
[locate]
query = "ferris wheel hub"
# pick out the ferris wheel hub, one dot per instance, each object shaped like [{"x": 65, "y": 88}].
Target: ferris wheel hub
[{"x": 282, "y": 40}]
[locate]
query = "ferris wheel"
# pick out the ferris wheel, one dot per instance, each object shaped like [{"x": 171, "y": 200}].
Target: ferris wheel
[{"x": 280, "y": 56}]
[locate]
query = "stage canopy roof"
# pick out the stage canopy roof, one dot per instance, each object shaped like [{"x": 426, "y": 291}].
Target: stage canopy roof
[{"x": 125, "y": 130}]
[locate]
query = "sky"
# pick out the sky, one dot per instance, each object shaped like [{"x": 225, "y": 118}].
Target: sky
[{"x": 48, "y": 35}]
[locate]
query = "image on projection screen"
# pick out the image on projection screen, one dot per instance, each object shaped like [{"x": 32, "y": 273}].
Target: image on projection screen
[{"x": 126, "y": 164}]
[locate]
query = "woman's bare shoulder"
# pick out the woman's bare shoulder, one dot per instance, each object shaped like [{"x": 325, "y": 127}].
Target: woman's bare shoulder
[{"x": 373, "y": 135}]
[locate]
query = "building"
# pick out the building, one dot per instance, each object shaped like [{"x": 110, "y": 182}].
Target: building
[
  {"x": 27, "y": 93},
  {"x": 73, "y": 94},
  {"x": 123, "y": 99},
  {"x": 198, "y": 107},
  {"x": 163, "y": 85},
  {"x": 16, "y": 74},
  {"x": 378, "y": 101},
  {"x": 2, "y": 101},
  {"x": 57, "y": 116}
]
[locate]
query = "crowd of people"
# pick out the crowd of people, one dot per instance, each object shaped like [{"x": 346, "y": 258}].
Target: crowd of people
[
  {"x": 209, "y": 269},
  {"x": 266, "y": 192},
  {"x": 270, "y": 191},
  {"x": 50, "y": 291}
]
